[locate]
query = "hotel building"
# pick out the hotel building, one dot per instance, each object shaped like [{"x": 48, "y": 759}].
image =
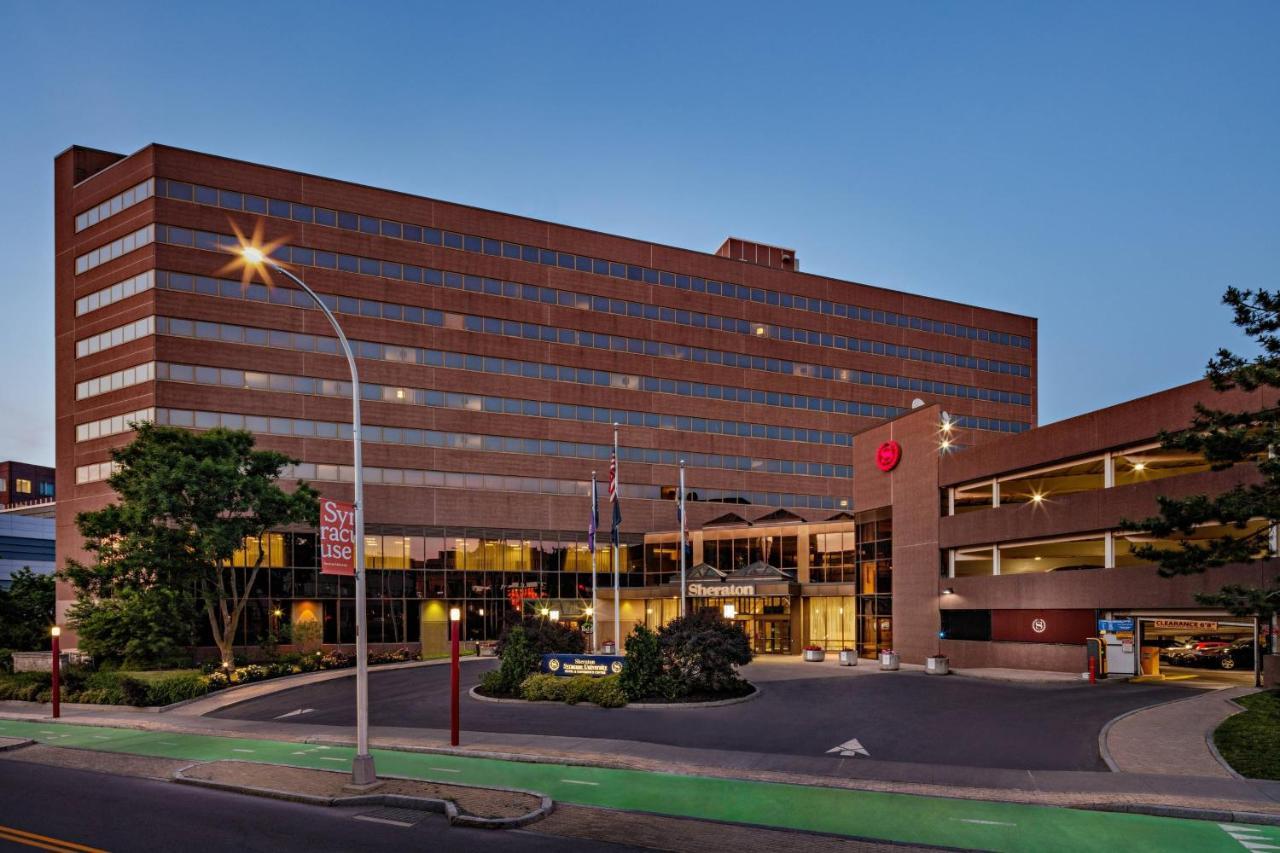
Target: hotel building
[{"x": 496, "y": 352}]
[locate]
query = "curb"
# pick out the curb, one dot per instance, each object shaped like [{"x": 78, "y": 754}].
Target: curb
[
  {"x": 637, "y": 706},
  {"x": 288, "y": 682},
  {"x": 1214, "y": 815},
  {"x": 1213, "y": 748},
  {"x": 403, "y": 801},
  {"x": 18, "y": 743}
]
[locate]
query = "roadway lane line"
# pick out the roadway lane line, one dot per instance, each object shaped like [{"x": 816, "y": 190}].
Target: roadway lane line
[
  {"x": 326, "y": 758},
  {"x": 44, "y": 842},
  {"x": 444, "y": 769},
  {"x": 578, "y": 782},
  {"x": 983, "y": 822},
  {"x": 236, "y": 749}
]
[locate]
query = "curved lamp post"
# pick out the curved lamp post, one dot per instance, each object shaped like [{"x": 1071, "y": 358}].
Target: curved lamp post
[{"x": 362, "y": 770}]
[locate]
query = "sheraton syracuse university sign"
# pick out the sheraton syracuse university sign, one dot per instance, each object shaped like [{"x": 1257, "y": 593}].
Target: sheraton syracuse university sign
[{"x": 337, "y": 537}]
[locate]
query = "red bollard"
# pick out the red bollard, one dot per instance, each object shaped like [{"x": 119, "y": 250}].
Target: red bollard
[
  {"x": 1093, "y": 670},
  {"x": 56, "y": 633},
  {"x": 454, "y": 678}
]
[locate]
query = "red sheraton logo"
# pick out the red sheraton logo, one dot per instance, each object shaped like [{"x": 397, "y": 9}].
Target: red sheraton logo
[{"x": 888, "y": 455}]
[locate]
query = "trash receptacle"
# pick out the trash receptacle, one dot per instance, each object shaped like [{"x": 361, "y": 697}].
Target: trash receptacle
[
  {"x": 889, "y": 660},
  {"x": 608, "y": 648},
  {"x": 848, "y": 657},
  {"x": 937, "y": 665}
]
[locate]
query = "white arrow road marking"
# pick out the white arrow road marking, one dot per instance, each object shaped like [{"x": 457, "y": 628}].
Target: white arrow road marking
[
  {"x": 849, "y": 748},
  {"x": 983, "y": 822},
  {"x": 296, "y": 713}
]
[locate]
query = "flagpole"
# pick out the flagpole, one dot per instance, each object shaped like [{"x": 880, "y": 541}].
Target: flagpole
[
  {"x": 617, "y": 496},
  {"x": 683, "y": 524},
  {"x": 595, "y": 629}
]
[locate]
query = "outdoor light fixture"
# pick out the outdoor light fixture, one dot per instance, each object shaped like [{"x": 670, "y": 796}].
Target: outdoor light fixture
[
  {"x": 253, "y": 254},
  {"x": 948, "y": 591},
  {"x": 590, "y": 611},
  {"x": 454, "y": 614},
  {"x": 1139, "y": 466},
  {"x": 277, "y": 613},
  {"x": 555, "y": 615},
  {"x": 545, "y": 611},
  {"x": 55, "y": 631},
  {"x": 730, "y": 611},
  {"x": 481, "y": 611},
  {"x": 1037, "y": 497},
  {"x": 946, "y": 444}
]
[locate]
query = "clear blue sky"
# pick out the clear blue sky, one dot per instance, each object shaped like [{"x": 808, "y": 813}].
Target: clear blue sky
[{"x": 1109, "y": 168}]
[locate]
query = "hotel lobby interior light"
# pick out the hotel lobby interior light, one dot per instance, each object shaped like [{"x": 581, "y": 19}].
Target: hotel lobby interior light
[
  {"x": 949, "y": 591},
  {"x": 730, "y": 611}
]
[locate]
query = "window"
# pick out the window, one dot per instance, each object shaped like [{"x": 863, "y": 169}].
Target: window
[
  {"x": 115, "y": 204},
  {"x": 1047, "y": 483},
  {"x": 22, "y": 486}
]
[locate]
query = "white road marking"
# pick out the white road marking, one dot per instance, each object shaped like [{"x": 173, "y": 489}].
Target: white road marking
[
  {"x": 444, "y": 769},
  {"x": 296, "y": 713},
  {"x": 103, "y": 737},
  {"x": 578, "y": 782},
  {"x": 849, "y": 748},
  {"x": 983, "y": 822},
  {"x": 241, "y": 750},
  {"x": 326, "y": 758},
  {"x": 167, "y": 742}
]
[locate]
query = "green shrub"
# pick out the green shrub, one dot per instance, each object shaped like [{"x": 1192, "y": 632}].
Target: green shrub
[
  {"x": 177, "y": 688},
  {"x": 491, "y": 683},
  {"x": 93, "y": 696},
  {"x": 134, "y": 691},
  {"x": 578, "y": 689},
  {"x": 6, "y": 660},
  {"x": 543, "y": 688},
  {"x": 546, "y": 637},
  {"x": 702, "y": 652},
  {"x": 643, "y": 666},
  {"x": 607, "y": 692},
  {"x": 519, "y": 660}
]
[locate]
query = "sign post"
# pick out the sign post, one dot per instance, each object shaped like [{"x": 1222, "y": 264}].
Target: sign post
[
  {"x": 56, "y": 635},
  {"x": 455, "y": 616}
]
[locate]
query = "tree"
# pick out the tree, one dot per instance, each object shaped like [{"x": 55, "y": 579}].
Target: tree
[
  {"x": 187, "y": 503},
  {"x": 26, "y": 611},
  {"x": 1225, "y": 439}
]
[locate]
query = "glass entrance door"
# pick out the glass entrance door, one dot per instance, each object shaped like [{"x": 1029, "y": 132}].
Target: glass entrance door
[{"x": 769, "y": 636}]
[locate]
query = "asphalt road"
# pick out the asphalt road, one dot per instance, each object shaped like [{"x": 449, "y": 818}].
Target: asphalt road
[
  {"x": 904, "y": 716},
  {"x": 120, "y": 813}
]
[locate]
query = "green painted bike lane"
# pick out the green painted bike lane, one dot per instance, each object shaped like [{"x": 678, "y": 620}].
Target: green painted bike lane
[{"x": 867, "y": 814}]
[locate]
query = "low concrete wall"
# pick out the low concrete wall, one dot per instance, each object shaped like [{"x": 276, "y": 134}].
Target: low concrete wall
[
  {"x": 1051, "y": 657},
  {"x": 36, "y": 661}
]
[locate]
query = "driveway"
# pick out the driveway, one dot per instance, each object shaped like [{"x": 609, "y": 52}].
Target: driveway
[{"x": 902, "y": 716}]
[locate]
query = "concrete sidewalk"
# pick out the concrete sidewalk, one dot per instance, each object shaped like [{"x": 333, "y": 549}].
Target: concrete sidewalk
[{"x": 1174, "y": 738}]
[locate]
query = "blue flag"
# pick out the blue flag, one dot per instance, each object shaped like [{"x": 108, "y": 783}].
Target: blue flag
[{"x": 613, "y": 497}]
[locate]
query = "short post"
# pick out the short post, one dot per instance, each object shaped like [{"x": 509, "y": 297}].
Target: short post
[
  {"x": 56, "y": 633},
  {"x": 1093, "y": 670},
  {"x": 455, "y": 616}
]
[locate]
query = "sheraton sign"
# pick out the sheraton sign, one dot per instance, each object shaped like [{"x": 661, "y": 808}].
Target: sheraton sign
[{"x": 718, "y": 590}]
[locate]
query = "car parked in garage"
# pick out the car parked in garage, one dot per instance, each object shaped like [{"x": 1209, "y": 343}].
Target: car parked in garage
[{"x": 1238, "y": 655}]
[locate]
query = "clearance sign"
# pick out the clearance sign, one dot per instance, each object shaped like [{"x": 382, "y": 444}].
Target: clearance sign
[{"x": 337, "y": 537}]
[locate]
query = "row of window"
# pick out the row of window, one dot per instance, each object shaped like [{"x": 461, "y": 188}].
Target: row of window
[
  {"x": 408, "y": 313},
  {"x": 115, "y": 204},
  {"x": 116, "y": 248},
  {"x": 299, "y": 256},
  {"x": 497, "y": 483},
  {"x": 135, "y": 375},
  {"x": 116, "y": 292},
  {"x": 230, "y": 333},
  {"x": 113, "y": 425},
  {"x": 293, "y": 384},
  {"x": 546, "y": 257},
  {"x": 95, "y": 472},
  {"x": 488, "y": 443},
  {"x": 115, "y": 337}
]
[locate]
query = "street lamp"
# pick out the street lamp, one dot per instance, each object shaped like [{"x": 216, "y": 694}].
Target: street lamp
[
  {"x": 55, "y": 633},
  {"x": 362, "y": 770}
]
